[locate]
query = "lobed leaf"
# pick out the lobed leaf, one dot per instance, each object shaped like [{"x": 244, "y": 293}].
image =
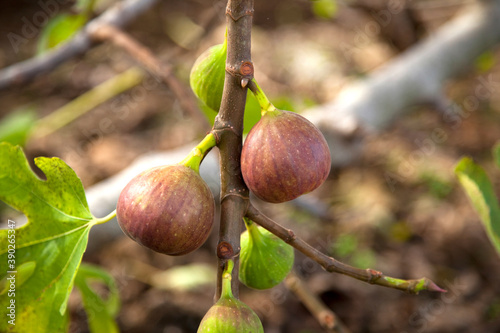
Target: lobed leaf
[{"x": 49, "y": 246}]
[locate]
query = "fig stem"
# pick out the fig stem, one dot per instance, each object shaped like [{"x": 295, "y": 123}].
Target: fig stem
[
  {"x": 332, "y": 265},
  {"x": 194, "y": 158},
  {"x": 106, "y": 218},
  {"x": 264, "y": 102},
  {"x": 226, "y": 280},
  {"x": 229, "y": 128}
]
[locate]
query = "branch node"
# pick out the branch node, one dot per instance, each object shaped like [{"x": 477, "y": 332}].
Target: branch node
[
  {"x": 291, "y": 236},
  {"x": 241, "y": 193},
  {"x": 216, "y": 136},
  {"x": 246, "y": 68},
  {"x": 243, "y": 71},
  {"x": 225, "y": 251},
  {"x": 236, "y": 16},
  {"x": 244, "y": 82},
  {"x": 373, "y": 275},
  {"x": 220, "y": 127}
]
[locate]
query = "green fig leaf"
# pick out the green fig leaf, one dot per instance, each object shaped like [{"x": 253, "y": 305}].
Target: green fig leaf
[
  {"x": 100, "y": 312},
  {"x": 480, "y": 191},
  {"x": 22, "y": 273},
  {"x": 48, "y": 249}
]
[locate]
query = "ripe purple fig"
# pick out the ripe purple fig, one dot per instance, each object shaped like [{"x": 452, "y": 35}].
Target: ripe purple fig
[
  {"x": 284, "y": 156},
  {"x": 168, "y": 209}
]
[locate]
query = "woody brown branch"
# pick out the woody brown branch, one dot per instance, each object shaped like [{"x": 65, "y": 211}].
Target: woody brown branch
[{"x": 229, "y": 129}]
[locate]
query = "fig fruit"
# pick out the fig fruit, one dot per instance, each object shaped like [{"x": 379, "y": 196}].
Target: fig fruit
[
  {"x": 169, "y": 209},
  {"x": 265, "y": 259},
  {"x": 230, "y": 315},
  {"x": 284, "y": 156},
  {"x": 207, "y": 75}
]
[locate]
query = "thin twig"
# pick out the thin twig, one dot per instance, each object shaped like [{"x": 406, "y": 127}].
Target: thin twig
[
  {"x": 118, "y": 15},
  {"x": 332, "y": 265},
  {"x": 325, "y": 316},
  {"x": 161, "y": 70}
]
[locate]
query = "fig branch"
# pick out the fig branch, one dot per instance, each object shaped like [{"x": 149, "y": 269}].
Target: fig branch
[
  {"x": 228, "y": 127},
  {"x": 334, "y": 266}
]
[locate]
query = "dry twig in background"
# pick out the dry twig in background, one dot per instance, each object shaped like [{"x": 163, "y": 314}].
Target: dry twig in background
[{"x": 326, "y": 317}]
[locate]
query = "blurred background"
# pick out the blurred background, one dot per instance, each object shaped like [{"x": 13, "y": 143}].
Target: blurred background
[{"x": 397, "y": 207}]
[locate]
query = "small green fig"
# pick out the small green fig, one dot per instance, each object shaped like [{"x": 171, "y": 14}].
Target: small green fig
[
  {"x": 207, "y": 76},
  {"x": 284, "y": 156},
  {"x": 265, "y": 259},
  {"x": 169, "y": 209},
  {"x": 230, "y": 315}
]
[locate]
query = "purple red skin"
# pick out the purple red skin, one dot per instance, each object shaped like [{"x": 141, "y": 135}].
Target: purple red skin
[
  {"x": 168, "y": 209},
  {"x": 284, "y": 156},
  {"x": 230, "y": 315}
]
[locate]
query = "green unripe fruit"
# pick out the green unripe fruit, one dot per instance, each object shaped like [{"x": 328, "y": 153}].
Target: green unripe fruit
[
  {"x": 265, "y": 259},
  {"x": 207, "y": 76},
  {"x": 230, "y": 315}
]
